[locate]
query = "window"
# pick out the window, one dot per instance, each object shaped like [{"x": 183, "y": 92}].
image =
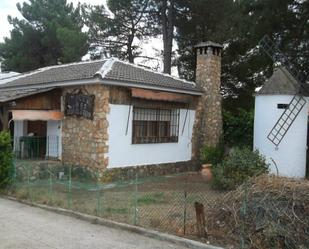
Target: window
[
  {"x": 152, "y": 125},
  {"x": 283, "y": 106}
]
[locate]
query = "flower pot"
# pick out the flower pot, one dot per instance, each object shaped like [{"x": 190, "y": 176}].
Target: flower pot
[{"x": 206, "y": 171}]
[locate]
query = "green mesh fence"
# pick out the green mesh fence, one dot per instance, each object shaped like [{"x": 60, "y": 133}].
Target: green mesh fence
[{"x": 163, "y": 203}]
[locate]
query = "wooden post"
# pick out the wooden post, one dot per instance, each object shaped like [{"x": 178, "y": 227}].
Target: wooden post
[
  {"x": 4, "y": 118},
  {"x": 200, "y": 220}
]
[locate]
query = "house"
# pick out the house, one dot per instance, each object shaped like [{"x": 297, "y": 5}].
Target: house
[
  {"x": 111, "y": 114},
  {"x": 289, "y": 157}
]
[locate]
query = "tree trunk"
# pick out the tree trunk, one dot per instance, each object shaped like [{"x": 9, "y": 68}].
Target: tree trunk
[
  {"x": 130, "y": 50},
  {"x": 167, "y": 14}
]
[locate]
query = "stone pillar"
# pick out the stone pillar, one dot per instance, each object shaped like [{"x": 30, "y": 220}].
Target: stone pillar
[
  {"x": 208, "y": 122},
  {"x": 85, "y": 141}
]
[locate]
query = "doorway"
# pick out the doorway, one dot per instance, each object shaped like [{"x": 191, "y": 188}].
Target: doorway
[{"x": 36, "y": 138}]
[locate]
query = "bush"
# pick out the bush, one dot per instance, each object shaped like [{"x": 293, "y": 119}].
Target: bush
[
  {"x": 6, "y": 159},
  {"x": 212, "y": 155},
  {"x": 276, "y": 214},
  {"x": 237, "y": 167},
  {"x": 238, "y": 128}
]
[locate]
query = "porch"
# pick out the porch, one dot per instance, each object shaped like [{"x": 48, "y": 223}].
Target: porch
[
  {"x": 37, "y": 147},
  {"x": 36, "y": 139}
]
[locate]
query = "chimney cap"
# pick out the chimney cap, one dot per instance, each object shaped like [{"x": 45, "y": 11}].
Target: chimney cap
[{"x": 208, "y": 44}]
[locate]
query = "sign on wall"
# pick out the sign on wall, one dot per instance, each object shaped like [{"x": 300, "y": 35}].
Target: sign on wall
[{"x": 79, "y": 105}]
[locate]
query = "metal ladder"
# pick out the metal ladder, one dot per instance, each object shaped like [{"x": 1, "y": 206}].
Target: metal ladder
[{"x": 286, "y": 120}]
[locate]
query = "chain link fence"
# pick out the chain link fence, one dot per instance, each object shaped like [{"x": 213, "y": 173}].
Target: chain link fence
[
  {"x": 264, "y": 212},
  {"x": 164, "y": 203}
]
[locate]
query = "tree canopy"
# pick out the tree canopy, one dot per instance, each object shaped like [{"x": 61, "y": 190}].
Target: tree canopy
[
  {"x": 239, "y": 25},
  {"x": 119, "y": 32},
  {"x": 49, "y": 33}
]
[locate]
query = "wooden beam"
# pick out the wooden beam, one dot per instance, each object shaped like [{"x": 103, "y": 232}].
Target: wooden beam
[
  {"x": 200, "y": 220},
  {"x": 160, "y": 95},
  {"x": 42, "y": 101},
  {"x": 37, "y": 115}
]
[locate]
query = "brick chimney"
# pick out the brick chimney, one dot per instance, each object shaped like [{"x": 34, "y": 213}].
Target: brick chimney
[{"x": 208, "y": 121}]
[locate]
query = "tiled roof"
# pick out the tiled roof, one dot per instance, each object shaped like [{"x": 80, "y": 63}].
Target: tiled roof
[
  {"x": 122, "y": 71},
  {"x": 60, "y": 73},
  {"x": 280, "y": 83},
  {"x": 110, "y": 71}
]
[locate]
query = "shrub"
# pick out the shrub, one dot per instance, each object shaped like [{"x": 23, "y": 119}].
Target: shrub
[
  {"x": 237, "y": 167},
  {"x": 212, "y": 155},
  {"x": 6, "y": 159},
  {"x": 238, "y": 128},
  {"x": 276, "y": 214}
]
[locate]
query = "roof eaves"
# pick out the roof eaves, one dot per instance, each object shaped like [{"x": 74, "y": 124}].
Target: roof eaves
[
  {"x": 97, "y": 80},
  {"x": 152, "y": 87},
  {"x": 23, "y": 95},
  {"x": 86, "y": 81}
]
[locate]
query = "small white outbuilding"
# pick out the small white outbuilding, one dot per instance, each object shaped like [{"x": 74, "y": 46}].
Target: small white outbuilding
[{"x": 289, "y": 157}]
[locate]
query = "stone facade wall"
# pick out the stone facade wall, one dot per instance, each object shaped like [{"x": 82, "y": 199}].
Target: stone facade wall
[
  {"x": 208, "y": 121},
  {"x": 127, "y": 173},
  {"x": 85, "y": 141}
]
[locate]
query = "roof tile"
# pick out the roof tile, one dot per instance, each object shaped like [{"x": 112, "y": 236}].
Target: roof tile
[{"x": 111, "y": 69}]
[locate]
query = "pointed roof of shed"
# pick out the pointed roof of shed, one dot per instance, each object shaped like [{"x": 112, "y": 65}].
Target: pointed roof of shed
[{"x": 280, "y": 83}]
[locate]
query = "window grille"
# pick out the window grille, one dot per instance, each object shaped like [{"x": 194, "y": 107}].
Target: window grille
[{"x": 155, "y": 125}]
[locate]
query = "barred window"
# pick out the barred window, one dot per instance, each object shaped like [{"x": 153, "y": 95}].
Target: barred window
[{"x": 154, "y": 125}]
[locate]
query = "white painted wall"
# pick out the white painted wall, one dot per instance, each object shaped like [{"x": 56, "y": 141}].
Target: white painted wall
[
  {"x": 290, "y": 156},
  {"x": 53, "y": 143},
  {"x": 20, "y": 129},
  {"x": 123, "y": 153}
]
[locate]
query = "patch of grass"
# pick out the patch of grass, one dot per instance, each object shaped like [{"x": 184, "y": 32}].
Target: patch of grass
[
  {"x": 116, "y": 210},
  {"x": 22, "y": 194},
  {"x": 151, "y": 198}
]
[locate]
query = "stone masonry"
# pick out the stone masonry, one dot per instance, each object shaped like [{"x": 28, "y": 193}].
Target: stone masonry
[
  {"x": 85, "y": 141},
  {"x": 208, "y": 122}
]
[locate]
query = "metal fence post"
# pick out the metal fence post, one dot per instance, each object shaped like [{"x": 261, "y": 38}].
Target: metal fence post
[
  {"x": 185, "y": 207},
  {"x": 13, "y": 173},
  {"x": 69, "y": 187},
  {"x": 98, "y": 194},
  {"x": 135, "y": 200},
  {"x": 50, "y": 185},
  {"x": 28, "y": 182}
]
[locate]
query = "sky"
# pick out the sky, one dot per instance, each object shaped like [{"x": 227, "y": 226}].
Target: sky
[{"x": 149, "y": 48}]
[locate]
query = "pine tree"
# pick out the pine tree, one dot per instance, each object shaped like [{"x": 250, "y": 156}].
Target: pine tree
[
  {"x": 131, "y": 21},
  {"x": 239, "y": 26},
  {"x": 50, "y": 33}
]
